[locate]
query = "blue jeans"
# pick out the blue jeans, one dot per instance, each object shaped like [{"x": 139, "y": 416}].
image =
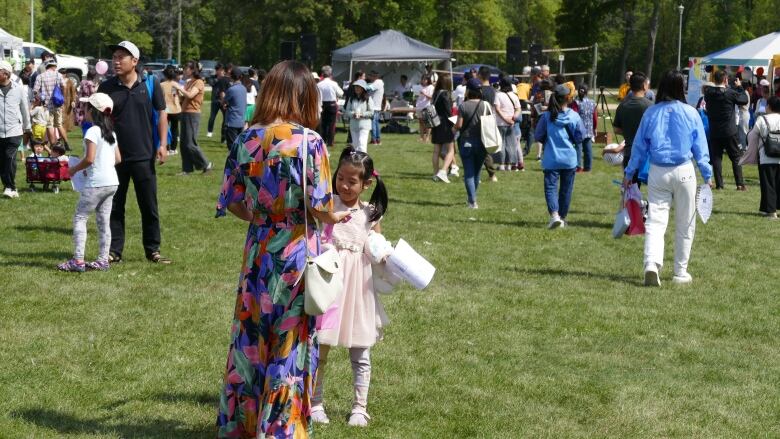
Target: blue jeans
[
  {"x": 585, "y": 147},
  {"x": 375, "y": 127},
  {"x": 472, "y": 154},
  {"x": 529, "y": 141},
  {"x": 558, "y": 202}
]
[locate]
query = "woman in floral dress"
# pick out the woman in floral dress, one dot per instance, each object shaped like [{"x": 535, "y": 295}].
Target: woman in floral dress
[{"x": 272, "y": 359}]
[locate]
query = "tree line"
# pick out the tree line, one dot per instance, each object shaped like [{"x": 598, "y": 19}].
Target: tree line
[{"x": 638, "y": 33}]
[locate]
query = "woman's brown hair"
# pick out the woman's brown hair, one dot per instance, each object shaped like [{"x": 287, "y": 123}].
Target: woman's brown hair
[{"x": 289, "y": 93}]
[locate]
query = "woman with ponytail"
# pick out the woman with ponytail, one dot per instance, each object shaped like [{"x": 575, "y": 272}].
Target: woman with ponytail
[
  {"x": 356, "y": 319},
  {"x": 559, "y": 129}
]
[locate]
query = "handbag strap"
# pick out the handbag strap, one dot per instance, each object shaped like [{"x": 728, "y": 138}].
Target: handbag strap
[{"x": 304, "y": 176}]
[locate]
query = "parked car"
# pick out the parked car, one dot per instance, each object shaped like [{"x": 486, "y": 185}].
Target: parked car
[
  {"x": 156, "y": 69},
  {"x": 75, "y": 67},
  {"x": 208, "y": 70}
]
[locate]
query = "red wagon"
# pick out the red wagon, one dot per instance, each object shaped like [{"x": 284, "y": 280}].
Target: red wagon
[{"x": 48, "y": 171}]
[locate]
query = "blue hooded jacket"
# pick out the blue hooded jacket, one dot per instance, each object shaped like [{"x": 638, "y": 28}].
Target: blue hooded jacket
[{"x": 560, "y": 150}]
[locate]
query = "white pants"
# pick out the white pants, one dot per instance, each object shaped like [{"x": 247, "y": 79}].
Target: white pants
[
  {"x": 360, "y": 138},
  {"x": 667, "y": 185}
]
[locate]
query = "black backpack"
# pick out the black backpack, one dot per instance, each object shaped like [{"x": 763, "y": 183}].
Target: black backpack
[{"x": 771, "y": 141}]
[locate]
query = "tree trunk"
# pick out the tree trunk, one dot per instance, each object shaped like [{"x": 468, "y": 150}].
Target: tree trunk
[
  {"x": 651, "y": 44},
  {"x": 446, "y": 44},
  {"x": 628, "y": 30}
]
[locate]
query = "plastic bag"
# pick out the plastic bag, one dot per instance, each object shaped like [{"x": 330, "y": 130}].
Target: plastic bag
[{"x": 633, "y": 205}]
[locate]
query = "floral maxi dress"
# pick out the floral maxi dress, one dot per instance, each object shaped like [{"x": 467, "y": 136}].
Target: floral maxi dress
[{"x": 272, "y": 359}]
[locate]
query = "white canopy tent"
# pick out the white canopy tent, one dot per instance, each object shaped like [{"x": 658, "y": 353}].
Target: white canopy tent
[
  {"x": 11, "y": 48},
  {"x": 391, "y": 53},
  {"x": 761, "y": 52}
]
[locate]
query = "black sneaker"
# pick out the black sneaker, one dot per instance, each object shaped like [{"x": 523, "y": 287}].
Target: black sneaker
[{"x": 114, "y": 258}]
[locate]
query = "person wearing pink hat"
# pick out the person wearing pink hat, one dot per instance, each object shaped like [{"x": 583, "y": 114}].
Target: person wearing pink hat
[{"x": 100, "y": 183}]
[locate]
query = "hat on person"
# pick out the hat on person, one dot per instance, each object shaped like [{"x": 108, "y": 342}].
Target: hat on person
[
  {"x": 764, "y": 83},
  {"x": 5, "y": 65},
  {"x": 50, "y": 62},
  {"x": 505, "y": 82},
  {"x": 361, "y": 83},
  {"x": 473, "y": 84},
  {"x": 128, "y": 46},
  {"x": 101, "y": 101},
  {"x": 562, "y": 90},
  {"x": 535, "y": 71}
]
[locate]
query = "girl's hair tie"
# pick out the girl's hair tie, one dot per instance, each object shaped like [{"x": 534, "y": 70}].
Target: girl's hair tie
[{"x": 374, "y": 173}]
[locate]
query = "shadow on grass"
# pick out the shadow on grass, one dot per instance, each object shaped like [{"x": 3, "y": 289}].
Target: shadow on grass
[
  {"x": 32, "y": 259},
  {"x": 64, "y": 423},
  {"x": 423, "y": 203},
  {"x": 44, "y": 229},
  {"x": 630, "y": 280}
]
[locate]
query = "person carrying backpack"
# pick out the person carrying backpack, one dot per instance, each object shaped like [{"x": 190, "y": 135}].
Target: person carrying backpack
[
  {"x": 134, "y": 127},
  {"x": 49, "y": 88}
]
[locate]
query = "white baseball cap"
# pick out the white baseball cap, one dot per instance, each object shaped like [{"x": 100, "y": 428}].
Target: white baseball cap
[
  {"x": 101, "y": 101},
  {"x": 5, "y": 65},
  {"x": 764, "y": 83},
  {"x": 128, "y": 46}
]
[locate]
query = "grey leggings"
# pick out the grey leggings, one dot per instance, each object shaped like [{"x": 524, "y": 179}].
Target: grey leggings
[
  {"x": 98, "y": 199},
  {"x": 192, "y": 156}
]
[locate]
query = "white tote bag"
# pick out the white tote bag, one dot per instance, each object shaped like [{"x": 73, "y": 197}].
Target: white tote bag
[
  {"x": 322, "y": 278},
  {"x": 491, "y": 136}
]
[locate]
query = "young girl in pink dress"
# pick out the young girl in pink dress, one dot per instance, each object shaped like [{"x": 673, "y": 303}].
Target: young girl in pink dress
[{"x": 356, "y": 319}]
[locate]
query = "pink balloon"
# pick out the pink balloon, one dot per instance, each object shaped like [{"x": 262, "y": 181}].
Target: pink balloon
[{"x": 101, "y": 67}]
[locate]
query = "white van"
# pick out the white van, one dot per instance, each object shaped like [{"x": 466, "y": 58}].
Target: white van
[{"x": 75, "y": 67}]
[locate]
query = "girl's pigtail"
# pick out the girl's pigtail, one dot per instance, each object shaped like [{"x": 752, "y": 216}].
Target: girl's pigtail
[
  {"x": 553, "y": 107},
  {"x": 378, "y": 200}
]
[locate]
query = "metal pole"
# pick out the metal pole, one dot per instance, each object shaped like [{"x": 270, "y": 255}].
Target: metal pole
[
  {"x": 32, "y": 21},
  {"x": 178, "y": 52},
  {"x": 595, "y": 66},
  {"x": 679, "y": 37}
]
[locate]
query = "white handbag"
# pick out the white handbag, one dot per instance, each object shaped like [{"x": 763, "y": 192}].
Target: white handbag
[
  {"x": 322, "y": 277},
  {"x": 622, "y": 220},
  {"x": 491, "y": 136}
]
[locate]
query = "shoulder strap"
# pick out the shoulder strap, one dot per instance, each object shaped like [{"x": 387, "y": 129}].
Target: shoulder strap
[
  {"x": 472, "y": 115},
  {"x": 304, "y": 176}
]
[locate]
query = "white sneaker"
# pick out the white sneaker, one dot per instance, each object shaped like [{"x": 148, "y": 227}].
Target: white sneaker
[
  {"x": 209, "y": 134},
  {"x": 442, "y": 176},
  {"x": 682, "y": 278},
  {"x": 473, "y": 206},
  {"x": 455, "y": 171},
  {"x": 555, "y": 222},
  {"x": 8, "y": 193},
  {"x": 318, "y": 415},
  {"x": 358, "y": 418},
  {"x": 14, "y": 194},
  {"x": 652, "y": 279},
  {"x": 501, "y": 168}
]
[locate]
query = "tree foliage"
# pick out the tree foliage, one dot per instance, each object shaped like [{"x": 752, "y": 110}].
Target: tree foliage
[{"x": 249, "y": 32}]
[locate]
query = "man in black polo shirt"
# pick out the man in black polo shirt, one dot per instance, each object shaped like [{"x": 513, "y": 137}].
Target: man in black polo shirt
[
  {"x": 629, "y": 113},
  {"x": 218, "y": 89},
  {"x": 132, "y": 115}
]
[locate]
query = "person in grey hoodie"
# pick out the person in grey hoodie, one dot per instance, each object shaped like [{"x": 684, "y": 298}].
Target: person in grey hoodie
[{"x": 14, "y": 122}]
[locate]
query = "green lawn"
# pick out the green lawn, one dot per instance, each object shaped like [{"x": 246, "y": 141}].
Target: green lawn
[{"x": 524, "y": 332}]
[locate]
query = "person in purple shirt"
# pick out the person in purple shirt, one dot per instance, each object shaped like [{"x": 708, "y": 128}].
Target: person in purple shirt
[{"x": 670, "y": 134}]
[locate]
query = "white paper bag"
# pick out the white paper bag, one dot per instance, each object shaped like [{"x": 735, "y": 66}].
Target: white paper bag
[
  {"x": 78, "y": 180},
  {"x": 407, "y": 264}
]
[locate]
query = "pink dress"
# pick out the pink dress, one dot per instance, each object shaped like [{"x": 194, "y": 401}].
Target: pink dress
[{"x": 357, "y": 317}]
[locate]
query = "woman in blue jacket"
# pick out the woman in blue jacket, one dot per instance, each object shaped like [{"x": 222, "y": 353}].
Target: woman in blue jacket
[
  {"x": 671, "y": 135},
  {"x": 559, "y": 129}
]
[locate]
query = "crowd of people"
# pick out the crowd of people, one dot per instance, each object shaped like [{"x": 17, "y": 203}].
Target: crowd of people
[{"x": 275, "y": 372}]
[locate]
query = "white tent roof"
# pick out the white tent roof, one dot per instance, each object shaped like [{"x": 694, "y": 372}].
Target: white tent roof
[
  {"x": 754, "y": 52},
  {"x": 9, "y": 40},
  {"x": 389, "y": 46}
]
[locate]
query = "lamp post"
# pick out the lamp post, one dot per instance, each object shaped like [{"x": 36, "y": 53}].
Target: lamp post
[
  {"x": 32, "y": 21},
  {"x": 679, "y": 36}
]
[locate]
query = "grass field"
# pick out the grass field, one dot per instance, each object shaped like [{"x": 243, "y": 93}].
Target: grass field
[{"x": 524, "y": 332}]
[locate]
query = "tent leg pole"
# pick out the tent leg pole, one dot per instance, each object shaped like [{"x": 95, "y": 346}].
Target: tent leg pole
[{"x": 350, "y": 71}]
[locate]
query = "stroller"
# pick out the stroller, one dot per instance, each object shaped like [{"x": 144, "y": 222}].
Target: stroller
[{"x": 46, "y": 170}]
